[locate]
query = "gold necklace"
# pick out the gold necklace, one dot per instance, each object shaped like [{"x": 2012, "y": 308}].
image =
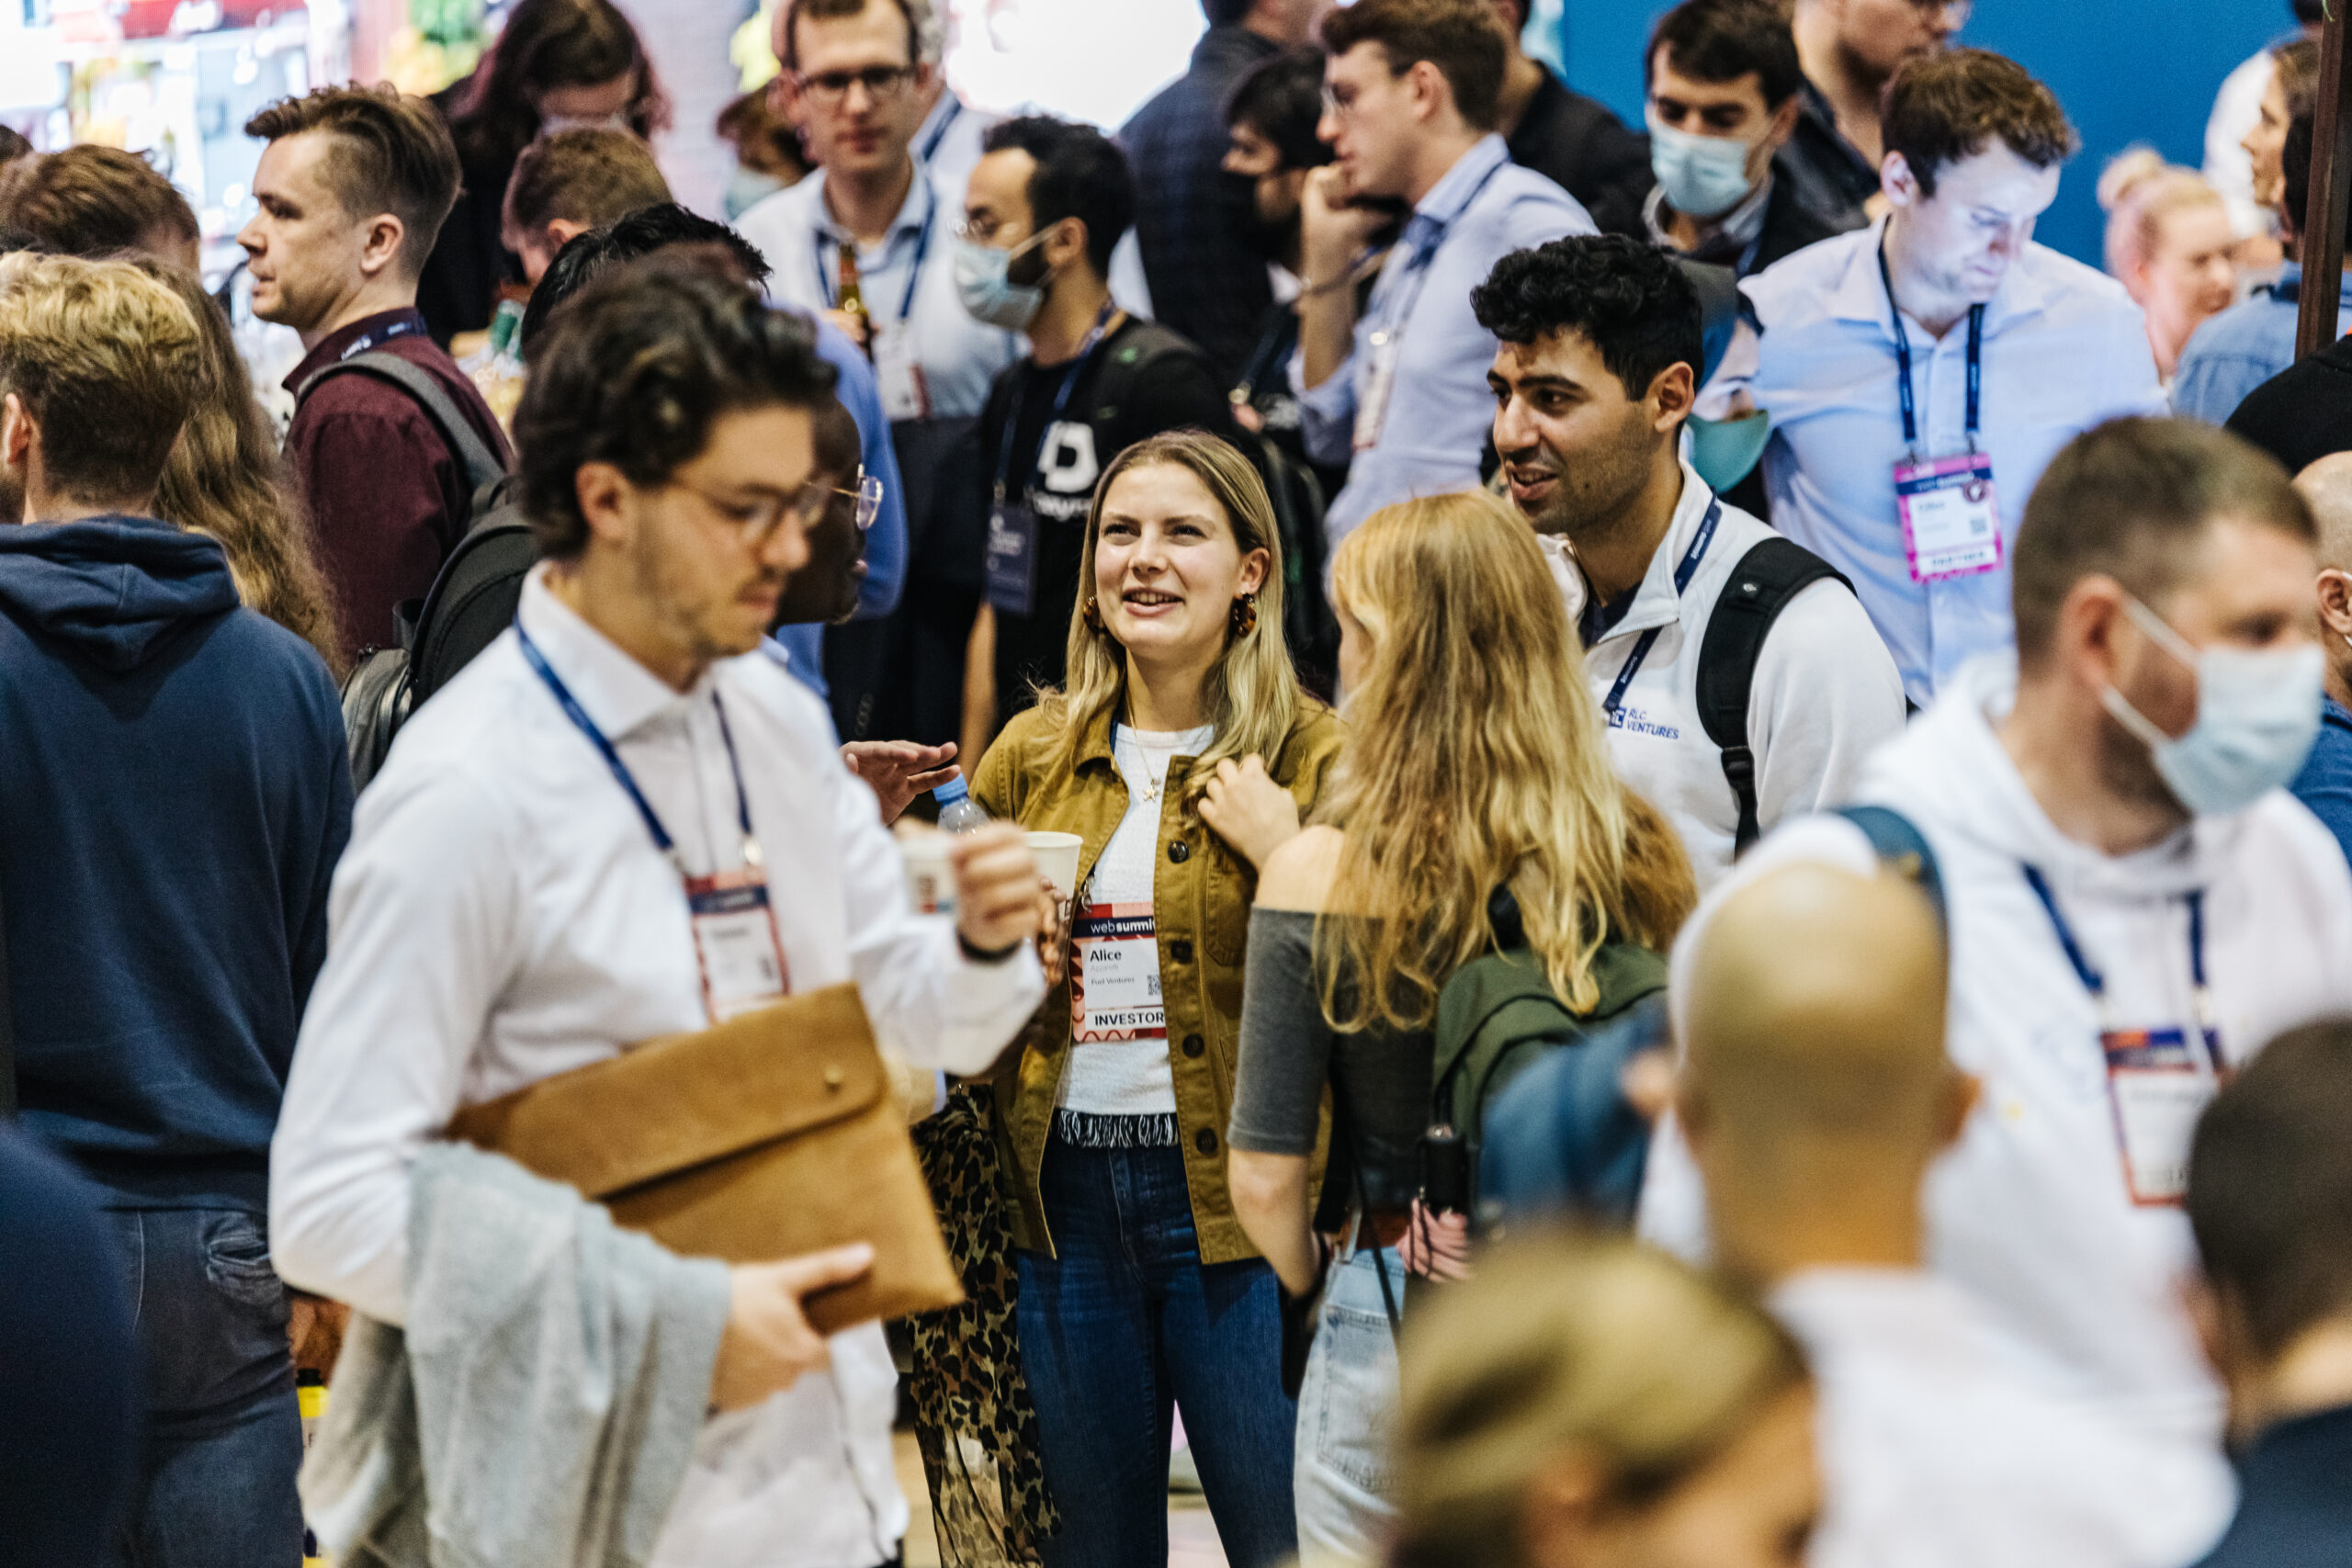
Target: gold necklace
[{"x": 1152, "y": 779}]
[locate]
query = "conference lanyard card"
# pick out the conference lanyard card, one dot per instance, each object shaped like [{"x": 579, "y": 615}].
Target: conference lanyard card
[
  {"x": 1011, "y": 558},
  {"x": 2157, "y": 1086},
  {"x": 1372, "y": 406},
  {"x": 1114, "y": 975},
  {"x": 1950, "y": 526},
  {"x": 905, "y": 394},
  {"x": 736, "y": 943}
]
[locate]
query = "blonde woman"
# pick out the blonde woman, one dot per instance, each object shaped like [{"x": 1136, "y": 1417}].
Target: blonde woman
[
  {"x": 1475, "y": 764},
  {"x": 2169, "y": 242},
  {"x": 1591, "y": 1404},
  {"x": 1138, "y": 1290}
]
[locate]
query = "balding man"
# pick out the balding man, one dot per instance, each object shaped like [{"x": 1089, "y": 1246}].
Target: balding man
[
  {"x": 2325, "y": 783},
  {"x": 1816, "y": 1093}
]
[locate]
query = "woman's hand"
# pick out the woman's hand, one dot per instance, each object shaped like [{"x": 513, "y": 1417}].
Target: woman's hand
[
  {"x": 1437, "y": 1244},
  {"x": 1249, "y": 810}
]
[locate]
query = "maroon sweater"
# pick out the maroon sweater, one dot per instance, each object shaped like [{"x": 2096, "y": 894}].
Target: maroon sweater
[{"x": 387, "y": 498}]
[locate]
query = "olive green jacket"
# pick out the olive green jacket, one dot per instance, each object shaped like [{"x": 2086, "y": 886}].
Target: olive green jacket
[{"x": 1201, "y": 895}]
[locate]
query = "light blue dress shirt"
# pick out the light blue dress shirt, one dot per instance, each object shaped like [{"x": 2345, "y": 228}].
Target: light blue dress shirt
[
  {"x": 2063, "y": 349},
  {"x": 2232, "y": 353},
  {"x": 1439, "y": 411},
  {"x": 960, "y": 356}
]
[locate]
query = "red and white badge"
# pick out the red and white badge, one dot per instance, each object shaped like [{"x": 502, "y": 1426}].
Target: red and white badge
[{"x": 1114, "y": 975}]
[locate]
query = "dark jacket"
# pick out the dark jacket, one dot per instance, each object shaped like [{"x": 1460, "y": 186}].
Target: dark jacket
[
  {"x": 1578, "y": 145},
  {"x": 2304, "y": 413},
  {"x": 1829, "y": 174},
  {"x": 1788, "y": 226},
  {"x": 458, "y": 290},
  {"x": 174, "y": 796},
  {"x": 2294, "y": 1497}
]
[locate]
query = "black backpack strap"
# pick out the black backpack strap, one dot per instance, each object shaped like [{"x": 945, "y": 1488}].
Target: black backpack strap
[
  {"x": 457, "y": 433},
  {"x": 1904, "y": 849},
  {"x": 1772, "y": 572}
]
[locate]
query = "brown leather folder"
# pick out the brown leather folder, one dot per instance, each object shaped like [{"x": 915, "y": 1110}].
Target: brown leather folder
[{"x": 767, "y": 1137}]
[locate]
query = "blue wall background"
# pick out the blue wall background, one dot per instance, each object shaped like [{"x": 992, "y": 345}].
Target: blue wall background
[{"x": 2126, "y": 70}]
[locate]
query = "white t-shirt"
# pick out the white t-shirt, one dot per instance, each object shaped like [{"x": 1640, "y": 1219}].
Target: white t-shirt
[{"x": 1118, "y": 1058}]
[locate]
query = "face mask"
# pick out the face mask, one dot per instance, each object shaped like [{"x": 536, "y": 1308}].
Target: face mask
[
  {"x": 1725, "y": 451},
  {"x": 1703, "y": 176},
  {"x": 2257, "y": 714},
  {"x": 988, "y": 293}
]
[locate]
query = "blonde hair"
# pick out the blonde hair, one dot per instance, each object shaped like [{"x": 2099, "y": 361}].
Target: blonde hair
[
  {"x": 1476, "y": 759},
  {"x": 2139, "y": 190},
  {"x": 1560, "y": 1343},
  {"x": 1252, "y": 694},
  {"x": 224, "y": 479},
  {"x": 107, "y": 361}
]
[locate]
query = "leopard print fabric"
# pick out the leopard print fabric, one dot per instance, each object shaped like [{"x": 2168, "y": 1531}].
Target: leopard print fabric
[{"x": 974, "y": 1419}]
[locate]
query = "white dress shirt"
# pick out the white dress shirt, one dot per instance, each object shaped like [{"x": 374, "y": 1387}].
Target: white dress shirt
[
  {"x": 2063, "y": 349},
  {"x": 1440, "y": 410},
  {"x": 503, "y": 916},
  {"x": 1935, "y": 1453},
  {"x": 1826, "y": 694},
  {"x": 802, "y": 240}
]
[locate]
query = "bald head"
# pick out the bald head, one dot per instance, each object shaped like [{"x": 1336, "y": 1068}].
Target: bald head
[{"x": 2326, "y": 486}]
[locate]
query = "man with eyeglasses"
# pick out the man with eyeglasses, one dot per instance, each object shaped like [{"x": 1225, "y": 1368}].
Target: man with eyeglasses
[
  {"x": 615, "y": 827},
  {"x": 1850, "y": 50}
]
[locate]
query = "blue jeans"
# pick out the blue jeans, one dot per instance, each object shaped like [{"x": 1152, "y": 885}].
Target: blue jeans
[
  {"x": 224, "y": 1435},
  {"x": 1127, "y": 1321},
  {"x": 1345, "y": 1405}
]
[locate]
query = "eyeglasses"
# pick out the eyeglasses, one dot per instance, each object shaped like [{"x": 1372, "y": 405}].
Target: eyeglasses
[
  {"x": 880, "y": 82},
  {"x": 868, "y": 496},
  {"x": 758, "y": 518}
]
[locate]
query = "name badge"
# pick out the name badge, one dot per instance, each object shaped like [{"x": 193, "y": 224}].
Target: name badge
[
  {"x": 1114, "y": 975},
  {"x": 1950, "y": 527},
  {"x": 736, "y": 943},
  {"x": 1011, "y": 558},
  {"x": 2157, "y": 1086},
  {"x": 1372, "y": 407},
  {"x": 905, "y": 394}
]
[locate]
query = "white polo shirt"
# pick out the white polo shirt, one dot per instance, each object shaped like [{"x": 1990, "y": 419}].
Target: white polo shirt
[
  {"x": 2029, "y": 1211},
  {"x": 1826, "y": 693},
  {"x": 2063, "y": 349},
  {"x": 502, "y": 915}
]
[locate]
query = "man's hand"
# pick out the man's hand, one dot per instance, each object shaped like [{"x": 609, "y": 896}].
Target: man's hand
[
  {"x": 1332, "y": 232},
  {"x": 898, "y": 770},
  {"x": 995, "y": 886},
  {"x": 1436, "y": 1245},
  {"x": 1250, "y": 810},
  {"x": 769, "y": 1343}
]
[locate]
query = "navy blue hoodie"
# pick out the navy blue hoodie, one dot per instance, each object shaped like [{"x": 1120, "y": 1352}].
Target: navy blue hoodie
[{"x": 174, "y": 796}]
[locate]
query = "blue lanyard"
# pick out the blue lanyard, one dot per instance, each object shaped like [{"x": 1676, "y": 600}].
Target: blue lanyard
[
  {"x": 604, "y": 748},
  {"x": 1682, "y": 575},
  {"x": 1422, "y": 260},
  {"x": 1903, "y": 361},
  {"x": 409, "y": 322},
  {"x": 2095, "y": 983},
  {"x": 825, "y": 279},
  {"x": 1092, "y": 341},
  {"x": 939, "y": 133}
]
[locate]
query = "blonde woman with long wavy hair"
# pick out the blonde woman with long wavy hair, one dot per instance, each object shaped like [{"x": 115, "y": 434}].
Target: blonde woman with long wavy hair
[
  {"x": 1475, "y": 764},
  {"x": 1182, "y": 752}
]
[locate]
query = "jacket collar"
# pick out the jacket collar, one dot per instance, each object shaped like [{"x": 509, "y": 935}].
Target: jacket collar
[
  {"x": 620, "y": 694},
  {"x": 1094, "y": 745},
  {"x": 1658, "y": 603}
]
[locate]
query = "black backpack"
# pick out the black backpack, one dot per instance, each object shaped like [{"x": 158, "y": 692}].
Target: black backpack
[{"x": 472, "y": 598}]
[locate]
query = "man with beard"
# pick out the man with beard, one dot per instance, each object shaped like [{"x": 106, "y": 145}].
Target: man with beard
[
  {"x": 1850, "y": 50},
  {"x": 1598, "y": 363}
]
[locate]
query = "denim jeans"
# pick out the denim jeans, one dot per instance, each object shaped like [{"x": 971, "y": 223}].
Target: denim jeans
[
  {"x": 1345, "y": 1405},
  {"x": 1126, "y": 1320},
  {"x": 223, "y": 1435}
]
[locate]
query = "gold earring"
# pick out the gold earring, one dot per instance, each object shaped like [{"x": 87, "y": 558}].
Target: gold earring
[{"x": 1245, "y": 614}]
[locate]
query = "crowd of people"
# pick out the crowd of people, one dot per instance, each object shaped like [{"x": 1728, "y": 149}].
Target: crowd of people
[{"x": 1654, "y": 870}]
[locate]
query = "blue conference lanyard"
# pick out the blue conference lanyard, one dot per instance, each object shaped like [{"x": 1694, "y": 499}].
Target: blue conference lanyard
[
  {"x": 939, "y": 132},
  {"x": 1682, "y": 575},
  {"x": 1422, "y": 260},
  {"x": 604, "y": 748},
  {"x": 1092, "y": 341},
  {"x": 2095, "y": 983},
  {"x": 826, "y": 281},
  {"x": 1903, "y": 361}
]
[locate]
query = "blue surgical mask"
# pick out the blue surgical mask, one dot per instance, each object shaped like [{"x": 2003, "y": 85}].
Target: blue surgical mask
[
  {"x": 988, "y": 293},
  {"x": 2257, "y": 714},
  {"x": 1703, "y": 176},
  {"x": 746, "y": 188}
]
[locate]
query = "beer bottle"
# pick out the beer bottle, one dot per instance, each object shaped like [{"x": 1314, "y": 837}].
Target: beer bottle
[{"x": 851, "y": 301}]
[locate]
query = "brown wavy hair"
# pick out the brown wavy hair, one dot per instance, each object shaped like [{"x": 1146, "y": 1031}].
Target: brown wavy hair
[
  {"x": 1476, "y": 759},
  {"x": 224, "y": 479}
]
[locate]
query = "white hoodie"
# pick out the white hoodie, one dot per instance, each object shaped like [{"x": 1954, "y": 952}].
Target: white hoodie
[{"x": 2029, "y": 1211}]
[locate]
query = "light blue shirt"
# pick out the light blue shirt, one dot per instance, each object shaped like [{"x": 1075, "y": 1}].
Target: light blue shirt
[
  {"x": 2232, "y": 353},
  {"x": 1438, "y": 409},
  {"x": 2063, "y": 349},
  {"x": 959, "y": 356}
]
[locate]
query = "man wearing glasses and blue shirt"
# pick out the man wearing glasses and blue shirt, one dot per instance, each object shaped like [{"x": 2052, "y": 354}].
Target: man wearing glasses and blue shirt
[
  {"x": 1410, "y": 92},
  {"x": 1921, "y": 373}
]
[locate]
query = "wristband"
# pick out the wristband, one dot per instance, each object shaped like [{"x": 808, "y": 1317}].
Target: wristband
[{"x": 982, "y": 954}]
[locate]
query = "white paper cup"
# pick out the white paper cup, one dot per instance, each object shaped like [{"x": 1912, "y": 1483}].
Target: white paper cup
[
  {"x": 1057, "y": 858},
  {"x": 930, "y": 883}
]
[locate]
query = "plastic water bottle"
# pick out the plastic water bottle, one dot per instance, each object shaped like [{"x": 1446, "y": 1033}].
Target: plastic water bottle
[{"x": 958, "y": 812}]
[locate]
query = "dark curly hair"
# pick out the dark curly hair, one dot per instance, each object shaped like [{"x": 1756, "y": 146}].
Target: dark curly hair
[
  {"x": 635, "y": 373},
  {"x": 1633, "y": 304}
]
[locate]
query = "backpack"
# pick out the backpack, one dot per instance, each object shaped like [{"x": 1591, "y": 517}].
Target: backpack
[
  {"x": 1766, "y": 578},
  {"x": 472, "y": 598}
]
